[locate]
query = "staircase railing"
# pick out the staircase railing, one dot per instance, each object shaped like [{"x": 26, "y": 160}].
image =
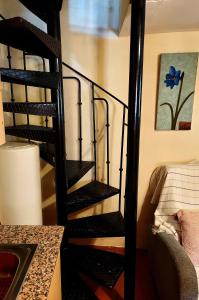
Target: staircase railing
[
  {"x": 12, "y": 98},
  {"x": 93, "y": 86}
]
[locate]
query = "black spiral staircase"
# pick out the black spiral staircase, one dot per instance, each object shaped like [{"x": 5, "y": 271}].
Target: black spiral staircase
[{"x": 104, "y": 267}]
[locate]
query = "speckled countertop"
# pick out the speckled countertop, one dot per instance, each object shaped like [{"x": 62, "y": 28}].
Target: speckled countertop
[{"x": 37, "y": 281}]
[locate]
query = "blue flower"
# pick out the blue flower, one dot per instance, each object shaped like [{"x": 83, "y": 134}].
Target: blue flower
[{"x": 173, "y": 77}]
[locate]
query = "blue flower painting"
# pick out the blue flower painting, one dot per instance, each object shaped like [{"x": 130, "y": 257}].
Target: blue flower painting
[
  {"x": 176, "y": 91},
  {"x": 173, "y": 77}
]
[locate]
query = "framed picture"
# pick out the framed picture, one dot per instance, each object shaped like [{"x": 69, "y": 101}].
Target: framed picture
[{"x": 176, "y": 91}]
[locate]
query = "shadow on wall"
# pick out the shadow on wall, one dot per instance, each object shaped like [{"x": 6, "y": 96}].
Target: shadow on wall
[
  {"x": 48, "y": 194},
  {"x": 146, "y": 218}
]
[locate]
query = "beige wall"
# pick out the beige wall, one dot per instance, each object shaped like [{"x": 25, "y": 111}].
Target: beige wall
[
  {"x": 162, "y": 147},
  {"x": 107, "y": 62}
]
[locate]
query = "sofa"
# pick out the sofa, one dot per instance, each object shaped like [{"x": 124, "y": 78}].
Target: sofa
[{"x": 172, "y": 270}]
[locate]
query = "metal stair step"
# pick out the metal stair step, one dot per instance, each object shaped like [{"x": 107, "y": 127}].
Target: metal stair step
[
  {"x": 41, "y": 8},
  {"x": 31, "y": 108},
  {"x": 73, "y": 287},
  {"x": 105, "y": 225},
  {"x": 89, "y": 194},
  {"x": 75, "y": 169},
  {"x": 47, "y": 153},
  {"x": 32, "y": 78},
  {"x": 32, "y": 132},
  {"x": 20, "y": 34},
  {"x": 102, "y": 266}
]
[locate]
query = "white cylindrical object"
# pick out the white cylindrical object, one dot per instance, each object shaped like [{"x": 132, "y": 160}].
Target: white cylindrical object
[{"x": 20, "y": 184}]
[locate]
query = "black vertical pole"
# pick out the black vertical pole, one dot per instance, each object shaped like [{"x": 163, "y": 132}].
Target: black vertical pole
[
  {"x": 94, "y": 132},
  {"x": 135, "y": 91},
  {"x": 53, "y": 25}
]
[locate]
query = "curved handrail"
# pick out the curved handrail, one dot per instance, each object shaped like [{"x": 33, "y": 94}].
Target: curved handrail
[
  {"x": 107, "y": 133},
  {"x": 93, "y": 82},
  {"x": 93, "y": 85}
]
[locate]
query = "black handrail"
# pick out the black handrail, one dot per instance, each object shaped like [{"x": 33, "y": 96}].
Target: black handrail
[
  {"x": 124, "y": 124},
  {"x": 94, "y": 131},
  {"x": 107, "y": 137},
  {"x": 10, "y": 67},
  {"x": 93, "y": 86},
  {"x": 121, "y": 156},
  {"x": 45, "y": 90},
  {"x": 26, "y": 87},
  {"x": 94, "y": 83},
  {"x": 80, "y": 112}
]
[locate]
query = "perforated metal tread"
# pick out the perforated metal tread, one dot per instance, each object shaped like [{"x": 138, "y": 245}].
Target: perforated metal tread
[
  {"x": 75, "y": 169},
  {"x": 32, "y": 108},
  {"x": 73, "y": 287},
  {"x": 32, "y": 78},
  {"x": 32, "y": 132},
  {"x": 89, "y": 194},
  {"x": 41, "y": 8},
  {"x": 105, "y": 225},
  {"x": 20, "y": 34},
  {"x": 102, "y": 266}
]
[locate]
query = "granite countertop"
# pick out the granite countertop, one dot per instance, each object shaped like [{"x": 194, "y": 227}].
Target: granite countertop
[{"x": 37, "y": 281}]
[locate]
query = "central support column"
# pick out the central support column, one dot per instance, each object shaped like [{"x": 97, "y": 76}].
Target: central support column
[
  {"x": 53, "y": 25},
  {"x": 135, "y": 93}
]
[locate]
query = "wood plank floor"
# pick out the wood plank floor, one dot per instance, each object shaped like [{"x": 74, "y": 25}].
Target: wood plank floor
[{"x": 144, "y": 284}]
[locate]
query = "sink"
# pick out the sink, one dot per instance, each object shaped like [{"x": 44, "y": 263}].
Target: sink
[{"x": 14, "y": 262}]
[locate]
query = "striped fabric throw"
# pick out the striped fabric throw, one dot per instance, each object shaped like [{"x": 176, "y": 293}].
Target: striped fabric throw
[{"x": 172, "y": 188}]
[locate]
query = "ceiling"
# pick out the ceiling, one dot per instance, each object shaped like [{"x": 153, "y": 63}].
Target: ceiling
[
  {"x": 98, "y": 17},
  {"x": 168, "y": 16}
]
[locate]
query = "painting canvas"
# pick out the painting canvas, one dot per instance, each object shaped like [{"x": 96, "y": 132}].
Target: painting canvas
[{"x": 176, "y": 91}]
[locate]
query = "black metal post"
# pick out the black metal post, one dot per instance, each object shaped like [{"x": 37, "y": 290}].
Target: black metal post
[
  {"x": 94, "y": 131},
  {"x": 12, "y": 98},
  {"x": 121, "y": 156},
  {"x": 45, "y": 90},
  {"x": 44, "y": 70},
  {"x": 53, "y": 25},
  {"x": 107, "y": 138},
  {"x": 26, "y": 87},
  {"x": 79, "y": 112},
  {"x": 135, "y": 91}
]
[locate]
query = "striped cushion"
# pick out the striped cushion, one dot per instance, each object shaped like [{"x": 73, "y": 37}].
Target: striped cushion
[
  {"x": 179, "y": 190},
  {"x": 173, "y": 188}
]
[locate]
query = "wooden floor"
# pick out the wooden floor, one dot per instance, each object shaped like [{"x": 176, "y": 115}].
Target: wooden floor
[{"x": 144, "y": 285}]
